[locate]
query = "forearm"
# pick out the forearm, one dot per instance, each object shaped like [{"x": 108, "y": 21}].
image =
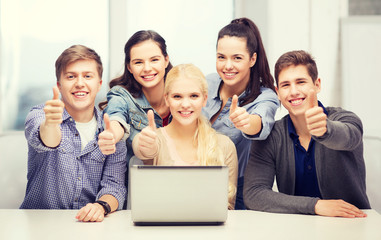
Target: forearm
[{"x": 50, "y": 134}]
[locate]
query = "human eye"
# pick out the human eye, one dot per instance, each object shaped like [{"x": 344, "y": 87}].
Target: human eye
[
  {"x": 88, "y": 76},
  {"x": 176, "y": 96},
  {"x": 70, "y": 76},
  {"x": 220, "y": 57},
  {"x": 195, "y": 95},
  {"x": 238, "y": 58}
]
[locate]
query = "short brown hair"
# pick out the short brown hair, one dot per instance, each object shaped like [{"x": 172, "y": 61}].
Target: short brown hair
[
  {"x": 75, "y": 53},
  {"x": 295, "y": 58}
]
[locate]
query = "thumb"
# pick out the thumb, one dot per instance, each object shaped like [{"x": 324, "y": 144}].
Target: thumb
[
  {"x": 106, "y": 120},
  {"x": 312, "y": 98},
  {"x": 234, "y": 104},
  {"x": 56, "y": 93},
  {"x": 151, "y": 119}
]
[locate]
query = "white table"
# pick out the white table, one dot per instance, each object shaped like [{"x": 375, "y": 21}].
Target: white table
[{"x": 61, "y": 224}]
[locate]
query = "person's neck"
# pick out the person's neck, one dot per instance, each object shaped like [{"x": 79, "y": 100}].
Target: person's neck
[
  {"x": 155, "y": 97},
  {"x": 181, "y": 132},
  {"x": 301, "y": 127},
  {"x": 82, "y": 116},
  {"x": 227, "y": 92}
]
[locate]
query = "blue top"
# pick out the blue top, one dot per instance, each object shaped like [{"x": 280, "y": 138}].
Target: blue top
[
  {"x": 130, "y": 112},
  {"x": 306, "y": 182},
  {"x": 265, "y": 105},
  {"x": 65, "y": 177}
]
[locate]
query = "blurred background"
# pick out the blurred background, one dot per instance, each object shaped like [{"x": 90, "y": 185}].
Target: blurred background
[{"x": 344, "y": 36}]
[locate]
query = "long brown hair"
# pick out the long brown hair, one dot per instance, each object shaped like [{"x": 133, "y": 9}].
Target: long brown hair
[
  {"x": 260, "y": 73},
  {"x": 127, "y": 80}
]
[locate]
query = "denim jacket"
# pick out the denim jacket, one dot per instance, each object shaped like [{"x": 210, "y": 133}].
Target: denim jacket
[
  {"x": 130, "y": 112},
  {"x": 265, "y": 105}
]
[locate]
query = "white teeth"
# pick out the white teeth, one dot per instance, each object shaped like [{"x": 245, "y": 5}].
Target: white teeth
[
  {"x": 296, "y": 101},
  {"x": 148, "y": 76},
  {"x": 229, "y": 74},
  {"x": 80, "y": 94},
  {"x": 185, "y": 113}
]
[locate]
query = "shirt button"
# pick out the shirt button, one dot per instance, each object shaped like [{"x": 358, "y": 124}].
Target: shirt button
[
  {"x": 76, "y": 199},
  {"x": 79, "y": 178},
  {"x": 71, "y": 119},
  {"x": 309, "y": 167},
  {"x": 78, "y": 158},
  {"x": 219, "y": 118},
  {"x": 76, "y": 134}
]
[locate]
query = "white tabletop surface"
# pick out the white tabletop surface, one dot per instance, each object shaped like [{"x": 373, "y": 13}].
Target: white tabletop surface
[{"x": 61, "y": 224}]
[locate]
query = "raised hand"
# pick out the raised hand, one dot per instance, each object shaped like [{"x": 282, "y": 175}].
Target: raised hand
[
  {"x": 316, "y": 119},
  {"x": 106, "y": 139},
  {"x": 53, "y": 109},
  {"x": 337, "y": 208},
  {"x": 238, "y": 115},
  {"x": 147, "y": 137}
]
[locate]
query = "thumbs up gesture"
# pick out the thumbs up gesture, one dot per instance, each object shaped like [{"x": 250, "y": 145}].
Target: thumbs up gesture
[
  {"x": 238, "y": 115},
  {"x": 53, "y": 109},
  {"x": 147, "y": 137},
  {"x": 106, "y": 139},
  {"x": 316, "y": 119}
]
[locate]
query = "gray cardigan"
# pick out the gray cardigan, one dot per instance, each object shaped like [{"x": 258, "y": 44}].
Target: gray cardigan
[{"x": 340, "y": 167}]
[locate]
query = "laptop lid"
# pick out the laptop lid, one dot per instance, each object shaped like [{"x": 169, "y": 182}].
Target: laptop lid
[{"x": 179, "y": 194}]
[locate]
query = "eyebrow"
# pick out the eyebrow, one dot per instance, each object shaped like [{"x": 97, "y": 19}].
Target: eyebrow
[{"x": 139, "y": 59}]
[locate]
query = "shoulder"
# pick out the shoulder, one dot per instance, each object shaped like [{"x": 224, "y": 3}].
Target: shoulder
[
  {"x": 119, "y": 91},
  {"x": 213, "y": 78},
  {"x": 267, "y": 94},
  {"x": 335, "y": 113},
  {"x": 279, "y": 131}
]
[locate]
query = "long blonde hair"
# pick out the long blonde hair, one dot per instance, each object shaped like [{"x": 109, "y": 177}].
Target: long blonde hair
[
  {"x": 205, "y": 137},
  {"x": 209, "y": 153}
]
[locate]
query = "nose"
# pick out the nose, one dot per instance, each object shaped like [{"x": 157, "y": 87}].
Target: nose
[
  {"x": 185, "y": 102},
  {"x": 147, "y": 67},
  {"x": 294, "y": 89},
  {"x": 228, "y": 64},
  {"x": 80, "y": 81}
]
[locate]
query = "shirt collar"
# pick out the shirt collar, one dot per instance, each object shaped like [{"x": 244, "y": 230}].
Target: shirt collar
[
  {"x": 142, "y": 101},
  {"x": 98, "y": 116},
  {"x": 215, "y": 91}
]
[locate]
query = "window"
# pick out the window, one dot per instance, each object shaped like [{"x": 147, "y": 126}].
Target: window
[{"x": 33, "y": 33}]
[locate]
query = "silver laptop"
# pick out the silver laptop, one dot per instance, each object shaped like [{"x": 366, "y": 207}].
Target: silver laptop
[{"x": 172, "y": 195}]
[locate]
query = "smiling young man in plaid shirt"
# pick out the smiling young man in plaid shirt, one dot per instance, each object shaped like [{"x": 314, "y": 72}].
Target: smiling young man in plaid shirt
[{"x": 66, "y": 169}]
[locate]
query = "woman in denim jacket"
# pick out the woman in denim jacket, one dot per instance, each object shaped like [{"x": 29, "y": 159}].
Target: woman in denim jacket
[
  {"x": 241, "y": 101},
  {"x": 139, "y": 89}
]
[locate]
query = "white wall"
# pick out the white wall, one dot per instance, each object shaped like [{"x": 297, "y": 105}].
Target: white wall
[{"x": 311, "y": 25}]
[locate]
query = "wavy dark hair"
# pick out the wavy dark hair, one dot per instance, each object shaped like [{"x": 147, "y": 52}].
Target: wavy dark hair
[
  {"x": 127, "y": 80},
  {"x": 260, "y": 73}
]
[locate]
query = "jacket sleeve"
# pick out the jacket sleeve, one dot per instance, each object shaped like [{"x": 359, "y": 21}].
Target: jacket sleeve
[{"x": 344, "y": 131}]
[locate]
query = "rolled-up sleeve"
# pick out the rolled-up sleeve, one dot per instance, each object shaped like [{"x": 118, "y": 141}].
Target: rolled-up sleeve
[
  {"x": 265, "y": 105},
  {"x": 113, "y": 180}
]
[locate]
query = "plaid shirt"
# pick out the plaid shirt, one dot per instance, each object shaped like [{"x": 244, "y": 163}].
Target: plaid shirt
[{"x": 66, "y": 177}]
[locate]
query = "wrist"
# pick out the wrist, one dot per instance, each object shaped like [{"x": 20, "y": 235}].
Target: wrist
[{"x": 105, "y": 205}]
